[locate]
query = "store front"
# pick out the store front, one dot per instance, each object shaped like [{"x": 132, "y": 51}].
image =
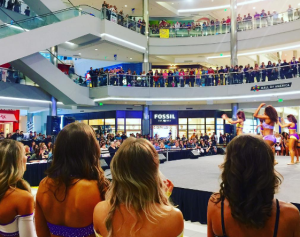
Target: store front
[
  {"x": 9, "y": 121},
  {"x": 114, "y": 122},
  {"x": 165, "y": 124}
]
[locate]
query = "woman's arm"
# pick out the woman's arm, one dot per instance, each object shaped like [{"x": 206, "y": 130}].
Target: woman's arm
[
  {"x": 282, "y": 123},
  {"x": 256, "y": 115}
]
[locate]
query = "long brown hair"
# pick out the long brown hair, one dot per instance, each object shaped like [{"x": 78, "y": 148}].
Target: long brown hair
[
  {"x": 292, "y": 118},
  {"x": 12, "y": 166},
  {"x": 136, "y": 182},
  {"x": 241, "y": 115},
  {"x": 271, "y": 112},
  {"x": 249, "y": 180},
  {"x": 76, "y": 156}
]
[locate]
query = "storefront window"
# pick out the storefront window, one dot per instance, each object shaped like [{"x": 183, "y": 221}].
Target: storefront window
[
  {"x": 94, "y": 122},
  {"x": 196, "y": 120},
  {"x": 83, "y": 121},
  {"x": 210, "y": 121},
  {"x": 210, "y": 129},
  {"x": 250, "y": 125},
  {"x": 183, "y": 121},
  {"x": 133, "y": 126},
  {"x": 121, "y": 127},
  {"x": 197, "y": 129},
  {"x": 110, "y": 126},
  {"x": 220, "y": 126}
]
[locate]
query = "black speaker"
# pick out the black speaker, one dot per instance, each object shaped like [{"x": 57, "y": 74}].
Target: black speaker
[
  {"x": 194, "y": 154},
  {"x": 53, "y": 125},
  {"x": 162, "y": 158},
  {"x": 68, "y": 120},
  {"x": 229, "y": 128}
]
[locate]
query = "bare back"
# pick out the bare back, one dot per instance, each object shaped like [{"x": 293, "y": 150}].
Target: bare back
[
  {"x": 169, "y": 225},
  {"x": 289, "y": 222},
  {"x": 73, "y": 210}
]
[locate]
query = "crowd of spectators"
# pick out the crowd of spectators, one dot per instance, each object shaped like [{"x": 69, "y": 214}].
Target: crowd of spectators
[
  {"x": 138, "y": 192},
  {"x": 111, "y": 13},
  {"x": 245, "y": 22},
  {"x": 14, "y": 5},
  {"x": 200, "y": 77}
]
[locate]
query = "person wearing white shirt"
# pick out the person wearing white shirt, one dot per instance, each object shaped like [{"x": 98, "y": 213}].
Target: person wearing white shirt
[
  {"x": 290, "y": 13},
  {"x": 275, "y": 18}
]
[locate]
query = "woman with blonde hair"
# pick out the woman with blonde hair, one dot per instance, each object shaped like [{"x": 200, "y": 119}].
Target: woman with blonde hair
[
  {"x": 16, "y": 201},
  {"x": 137, "y": 202},
  {"x": 75, "y": 183}
]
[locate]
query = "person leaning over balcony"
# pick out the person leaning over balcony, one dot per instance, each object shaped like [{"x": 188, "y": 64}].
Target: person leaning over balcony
[
  {"x": 170, "y": 79},
  {"x": 221, "y": 75},
  {"x": 269, "y": 71},
  {"x": 285, "y": 68},
  {"x": 198, "y": 77},
  {"x": 249, "y": 21},
  {"x": 165, "y": 78},
  {"x": 263, "y": 72},
  {"x": 156, "y": 78},
  {"x": 290, "y": 11},
  {"x": 176, "y": 76},
  {"x": 187, "y": 78},
  {"x": 192, "y": 77},
  {"x": 245, "y": 204},
  {"x": 181, "y": 78},
  {"x": 294, "y": 66}
]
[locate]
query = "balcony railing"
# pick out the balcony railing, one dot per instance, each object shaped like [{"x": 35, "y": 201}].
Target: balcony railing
[
  {"x": 221, "y": 27},
  {"x": 203, "y": 79}
]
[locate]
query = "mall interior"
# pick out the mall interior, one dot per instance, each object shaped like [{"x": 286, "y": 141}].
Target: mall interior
[{"x": 177, "y": 73}]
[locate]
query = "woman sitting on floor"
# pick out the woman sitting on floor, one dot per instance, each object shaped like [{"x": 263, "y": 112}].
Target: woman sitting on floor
[
  {"x": 137, "y": 203},
  {"x": 245, "y": 205},
  {"x": 16, "y": 201},
  {"x": 75, "y": 183}
]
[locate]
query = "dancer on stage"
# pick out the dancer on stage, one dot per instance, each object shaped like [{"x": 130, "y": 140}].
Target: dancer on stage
[
  {"x": 239, "y": 123},
  {"x": 294, "y": 137},
  {"x": 270, "y": 118},
  {"x": 261, "y": 127}
]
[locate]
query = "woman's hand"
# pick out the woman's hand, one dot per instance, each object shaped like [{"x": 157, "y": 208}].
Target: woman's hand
[
  {"x": 224, "y": 116},
  {"x": 262, "y": 105}
]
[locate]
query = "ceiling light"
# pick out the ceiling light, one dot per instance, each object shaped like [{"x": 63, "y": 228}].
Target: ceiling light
[
  {"x": 201, "y": 98},
  {"x": 96, "y": 49},
  {"x": 172, "y": 3},
  {"x": 258, "y": 52},
  {"x": 299, "y": 4},
  {"x": 70, "y": 43},
  {"x": 79, "y": 53},
  {"x": 125, "y": 5},
  {"x": 121, "y": 40},
  {"x": 130, "y": 58},
  {"x": 253, "y": 7}
]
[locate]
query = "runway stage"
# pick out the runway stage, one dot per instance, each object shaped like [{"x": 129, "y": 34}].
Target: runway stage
[{"x": 195, "y": 179}]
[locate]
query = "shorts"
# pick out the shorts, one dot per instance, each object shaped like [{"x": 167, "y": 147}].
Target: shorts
[
  {"x": 294, "y": 136},
  {"x": 270, "y": 138}
]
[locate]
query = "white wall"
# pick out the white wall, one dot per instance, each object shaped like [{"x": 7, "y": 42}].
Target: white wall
[
  {"x": 23, "y": 123},
  {"x": 83, "y": 65}
]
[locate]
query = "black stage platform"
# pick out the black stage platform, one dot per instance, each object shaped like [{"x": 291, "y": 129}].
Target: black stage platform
[{"x": 196, "y": 179}]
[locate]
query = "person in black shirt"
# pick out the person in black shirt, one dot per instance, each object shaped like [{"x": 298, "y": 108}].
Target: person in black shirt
[
  {"x": 285, "y": 68},
  {"x": 93, "y": 77},
  {"x": 150, "y": 77},
  {"x": 16, "y": 135},
  {"x": 206, "y": 137},
  {"x": 112, "y": 149},
  {"x": 123, "y": 136},
  {"x": 221, "y": 75}
]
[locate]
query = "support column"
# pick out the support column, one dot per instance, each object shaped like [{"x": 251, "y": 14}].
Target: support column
[
  {"x": 258, "y": 59},
  {"x": 295, "y": 54},
  {"x": 233, "y": 32},
  {"x": 54, "y": 61},
  {"x": 146, "y": 120},
  {"x": 234, "y": 110},
  {"x": 146, "y": 64}
]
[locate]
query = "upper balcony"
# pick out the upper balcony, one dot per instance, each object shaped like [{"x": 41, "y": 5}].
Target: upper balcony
[{"x": 258, "y": 33}]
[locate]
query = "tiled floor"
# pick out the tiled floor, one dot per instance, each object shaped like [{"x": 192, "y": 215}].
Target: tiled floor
[{"x": 191, "y": 229}]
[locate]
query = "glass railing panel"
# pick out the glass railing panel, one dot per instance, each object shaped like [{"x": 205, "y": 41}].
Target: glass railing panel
[{"x": 37, "y": 22}]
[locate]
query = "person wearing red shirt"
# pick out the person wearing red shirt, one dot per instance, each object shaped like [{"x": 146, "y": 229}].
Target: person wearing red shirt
[
  {"x": 210, "y": 73},
  {"x": 228, "y": 24}
]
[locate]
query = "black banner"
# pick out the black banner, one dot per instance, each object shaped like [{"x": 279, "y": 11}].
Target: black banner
[{"x": 270, "y": 87}]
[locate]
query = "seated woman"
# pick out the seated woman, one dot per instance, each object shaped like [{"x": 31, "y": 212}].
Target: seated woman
[
  {"x": 137, "y": 203},
  {"x": 16, "y": 201},
  {"x": 75, "y": 183},
  {"x": 245, "y": 205}
]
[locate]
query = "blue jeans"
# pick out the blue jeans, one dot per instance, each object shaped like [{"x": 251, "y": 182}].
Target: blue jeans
[{"x": 198, "y": 81}]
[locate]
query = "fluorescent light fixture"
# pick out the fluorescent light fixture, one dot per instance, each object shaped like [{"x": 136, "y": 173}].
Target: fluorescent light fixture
[
  {"x": 253, "y": 7},
  {"x": 16, "y": 27},
  {"x": 258, "y": 52},
  {"x": 70, "y": 43},
  {"x": 27, "y": 100},
  {"x": 201, "y": 99},
  {"x": 96, "y": 49},
  {"x": 79, "y": 53},
  {"x": 130, "y": 58},
  {"x": 121, "y": 40},
  {"x": 216, "y": 7}
]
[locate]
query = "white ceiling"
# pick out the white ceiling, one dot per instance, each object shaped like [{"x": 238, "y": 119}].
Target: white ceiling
[{"x": 165, "y": 8}]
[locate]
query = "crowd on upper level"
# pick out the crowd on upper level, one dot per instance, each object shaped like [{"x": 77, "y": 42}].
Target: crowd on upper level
[
  {"x": 196, "y": 76},
  {"x": 137, "y": 198},
  {"x": 244, "y": 22},
  {"x": 14, "y": 5}
]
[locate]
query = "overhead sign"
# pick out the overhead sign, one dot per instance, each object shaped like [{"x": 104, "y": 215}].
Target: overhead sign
[
  {"x": 7, "y": 118},
  {"x": 270, "y": 87},
  {"x": 164, "y": 33},
  {"x": 164, "y": 118}
]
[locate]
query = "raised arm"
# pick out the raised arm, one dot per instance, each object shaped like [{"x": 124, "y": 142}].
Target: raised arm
[
  {"x": 258, "y": 126},
  {"x": 225, "y": 117},
  {"x": 256, "y": 115},
  {"x": 282, "y": 123}
]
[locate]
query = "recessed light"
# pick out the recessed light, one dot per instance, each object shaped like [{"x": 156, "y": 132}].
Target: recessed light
[
  {"x": 79, "y": 53},
  {"x": 130, "y": 58},
  {"x": 125, "y": 5},
  {"x": 253, "y": 7},
  {"x": 96, "y": 49},
  {"x": 298, "y": 4},
  {"x": 172, "y": 3}
]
